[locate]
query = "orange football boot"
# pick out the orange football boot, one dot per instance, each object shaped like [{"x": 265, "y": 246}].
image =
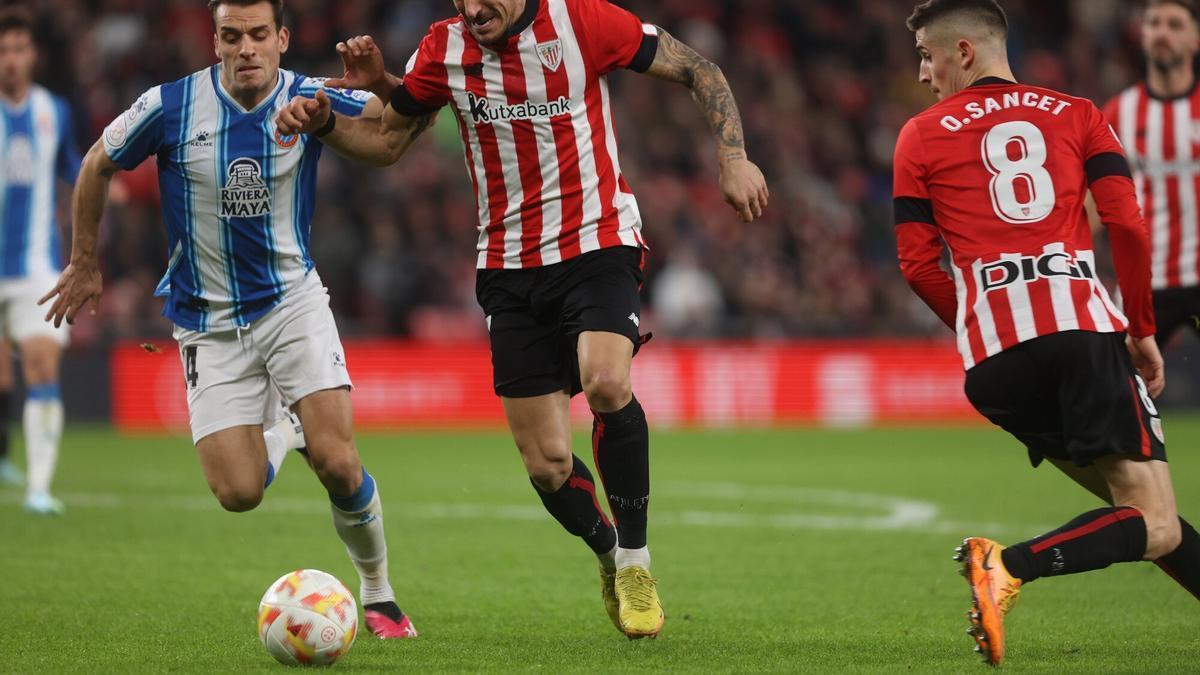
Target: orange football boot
[{"x": 993, "y": 594}]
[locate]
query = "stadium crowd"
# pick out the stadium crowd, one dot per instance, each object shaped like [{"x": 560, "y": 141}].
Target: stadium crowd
[{"x": 823, "y": 85}]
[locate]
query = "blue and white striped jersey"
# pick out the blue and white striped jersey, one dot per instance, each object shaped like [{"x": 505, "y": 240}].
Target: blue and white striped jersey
[
  {"x": 37, "y": 147},
  {"x": 237, "y": 197}
]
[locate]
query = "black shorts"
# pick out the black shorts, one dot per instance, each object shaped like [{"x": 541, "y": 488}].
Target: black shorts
[
  {"x": 1071, "y": 396},
  {"x": 535, "y": 316},
  {"x": 1176, "y": 308}
]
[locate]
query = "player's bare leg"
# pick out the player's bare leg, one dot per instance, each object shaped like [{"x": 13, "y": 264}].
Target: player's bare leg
[
  {"x": 621, "y": 444},
  {"x": 234, "y": 461},
  {"x": 1141, "y": 524},
  {"x": 9, "y": 473},
  {"x": 1182, "y": 564},
  {"x": 357, "y": 510},
  {"x": 42, "y": 421},
  {"x": 541, "y": 428},
  {"x": 241, "y": 462},
  {"x": 1145, "y": 486}
]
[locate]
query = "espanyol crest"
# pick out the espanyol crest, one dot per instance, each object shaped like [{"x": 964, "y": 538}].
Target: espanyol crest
[{"x": 550, "y": 54}]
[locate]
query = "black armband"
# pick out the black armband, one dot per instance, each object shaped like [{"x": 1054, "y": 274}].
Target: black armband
[
  {"x": 404, "y": 103},
  {"x": 913, "y": 210},
  {"x": 644, "y": 58},
  {"x": 1106, "y": 164},
  {"x": 328, "y": 126}
]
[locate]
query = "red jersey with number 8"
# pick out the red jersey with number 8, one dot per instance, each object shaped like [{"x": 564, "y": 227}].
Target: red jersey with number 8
[{"x": 998, "y": 173}]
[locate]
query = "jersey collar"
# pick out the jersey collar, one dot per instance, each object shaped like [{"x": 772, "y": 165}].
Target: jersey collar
[
  {"x": 215, "y": 72},
  {"x": 526, "y": 20},
  {"x": 990, "y": 81},
  {"x": 17, "y": 107},
  {"x": 1167, "y": 99}
]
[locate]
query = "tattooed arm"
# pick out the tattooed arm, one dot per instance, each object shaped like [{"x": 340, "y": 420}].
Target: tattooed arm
[{"x": 742, "y": 182}]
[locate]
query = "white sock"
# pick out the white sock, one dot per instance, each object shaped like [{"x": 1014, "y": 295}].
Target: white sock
[
  {"x": 633, "y": 557},
  {"x": 362, "y": 532},
  {"x": 291, "y": 431},
  {"x": 287, "y": 434},
  {"x": 608, "y": 561},
  {"x": 43, "y": 424}
]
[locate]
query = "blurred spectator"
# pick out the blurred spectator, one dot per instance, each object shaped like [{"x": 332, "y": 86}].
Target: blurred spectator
[
  {"x": 687, "y": 298},
  {"x": 823, "y": 86}
]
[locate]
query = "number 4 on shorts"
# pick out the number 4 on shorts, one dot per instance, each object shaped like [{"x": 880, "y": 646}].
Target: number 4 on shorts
[{"x": 189, "y": 366}]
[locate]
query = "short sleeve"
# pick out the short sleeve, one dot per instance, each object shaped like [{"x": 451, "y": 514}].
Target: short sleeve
[
  {"x": 908, "y": 169},
  {"x": 137, "y": 133},
  {"x": 426, "y": 85},
  {"x": 615, "y": 38},
  {"x": 1112, "y": 112},
  {"x": 66, "y": 164},
  {"x": 1103, "y": 154},
  {"x": 1101, "y": 136},
  {"x": 348, "y": 102}
]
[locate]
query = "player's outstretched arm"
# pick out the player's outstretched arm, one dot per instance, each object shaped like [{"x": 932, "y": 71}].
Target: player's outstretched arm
[
  {"x": 364, "y": 68},
  {"x": 80, "y": 283},
  {"x": 378, "y": 142},
  {"x": 743, "y": 183}
]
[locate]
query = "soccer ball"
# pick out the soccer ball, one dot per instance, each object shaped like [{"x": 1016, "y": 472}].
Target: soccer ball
[{"x": 307, "y": 618}]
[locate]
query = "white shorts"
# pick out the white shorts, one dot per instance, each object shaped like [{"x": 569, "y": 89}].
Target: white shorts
[
  {"x": 20, "y": 316},
  {"x": 238, "y": 377}
]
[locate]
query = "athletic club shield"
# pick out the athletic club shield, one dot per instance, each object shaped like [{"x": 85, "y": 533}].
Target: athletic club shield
[{"x": 550, "y": 53}]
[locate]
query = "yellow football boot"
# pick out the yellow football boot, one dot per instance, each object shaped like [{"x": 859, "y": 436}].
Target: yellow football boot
[
  {"x": 993, "y": 594},
  {"x": 608, "y": 592},
  {"x": 641, "y": 613}
]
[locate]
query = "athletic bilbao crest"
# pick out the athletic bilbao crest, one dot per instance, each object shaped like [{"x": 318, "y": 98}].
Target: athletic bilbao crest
[
  {"x": 245, "y": 194},
  {"x": 550, "y": 54}
]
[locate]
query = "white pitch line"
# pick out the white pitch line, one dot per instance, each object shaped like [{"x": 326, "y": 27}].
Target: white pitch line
[{"x": 890, "y": 513}]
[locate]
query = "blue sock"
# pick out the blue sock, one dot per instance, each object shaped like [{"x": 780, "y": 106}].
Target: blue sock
[
  {"x": 360, "y": 499},
  {"x": 270, "y": 476},
  {"x": 45, "y": 392}
]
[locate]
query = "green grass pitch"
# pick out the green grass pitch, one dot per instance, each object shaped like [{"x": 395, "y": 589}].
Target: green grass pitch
[{"x": 811, "y": 551}]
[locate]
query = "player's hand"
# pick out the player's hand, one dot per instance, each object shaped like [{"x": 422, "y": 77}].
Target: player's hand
[
  {"x": 78, "y": 285},
  {"x": 745, "y": 188},
  {"x": 1148, "y": 361},
  {"x": 304, "y": 115},
  {"x": 363, "y": 64}
]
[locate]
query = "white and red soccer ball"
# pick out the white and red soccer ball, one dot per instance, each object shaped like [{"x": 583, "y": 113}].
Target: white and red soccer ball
[{"x": 307, "y": 618}]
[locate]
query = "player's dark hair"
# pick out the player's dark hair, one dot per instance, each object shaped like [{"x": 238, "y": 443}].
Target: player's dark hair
[
  {"x": 15, "y": 18},
  {"x": 276, "y": 7},
  {"x": 986, "y": 12},
  {"x": 1189, "y": 5}
]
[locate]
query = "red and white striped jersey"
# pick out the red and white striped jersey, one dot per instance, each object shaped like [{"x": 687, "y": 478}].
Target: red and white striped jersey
[
  {"x": 998, "y": 172},
  {"x": 1162, "y": 140},
  {"x": 537, "y": 127}
]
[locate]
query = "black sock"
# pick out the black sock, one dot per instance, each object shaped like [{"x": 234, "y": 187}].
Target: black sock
[
  {"x": 621, "y": 446},
  {"x": 1092, "y": 541},
  {"x": 1183, "y": 564},
  {"x": 575, "y": 506},
  {"x": 5, "y": 397}
]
